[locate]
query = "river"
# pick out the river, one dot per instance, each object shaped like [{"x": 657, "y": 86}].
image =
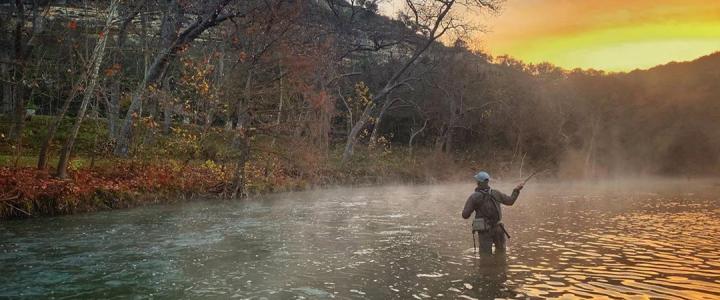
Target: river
[{"x": 656, "y": 239}]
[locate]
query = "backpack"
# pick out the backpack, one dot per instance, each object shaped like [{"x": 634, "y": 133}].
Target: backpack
[{"x": 485, "y": 223}]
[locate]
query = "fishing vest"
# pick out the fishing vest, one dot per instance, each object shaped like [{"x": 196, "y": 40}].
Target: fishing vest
[{"x": 487, "y": 211}]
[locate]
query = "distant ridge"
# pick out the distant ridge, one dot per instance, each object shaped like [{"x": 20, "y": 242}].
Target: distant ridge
[
  {"x": 686, "y": 82},
  {"x": 713, "y": 58}
]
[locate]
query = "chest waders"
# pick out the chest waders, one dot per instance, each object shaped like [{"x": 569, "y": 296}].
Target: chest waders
[{"x": 481, "y": 225}]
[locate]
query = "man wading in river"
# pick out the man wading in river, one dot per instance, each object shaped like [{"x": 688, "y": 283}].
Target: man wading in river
[{"x": 485, "y": 202}]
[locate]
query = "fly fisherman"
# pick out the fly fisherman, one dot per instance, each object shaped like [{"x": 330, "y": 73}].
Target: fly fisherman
[{"x": 485, "y": 202}]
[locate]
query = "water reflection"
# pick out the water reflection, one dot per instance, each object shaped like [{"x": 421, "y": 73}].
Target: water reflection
[
  {"x": 491, "y": 279},
  {"x": 660, "y": 256},
  {"x": 380, "y": 243},
  {"x": 661, "y": 247}
]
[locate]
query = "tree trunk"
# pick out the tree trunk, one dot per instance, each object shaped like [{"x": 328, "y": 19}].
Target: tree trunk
[
  {"x": 19, "y": 90},
  {"x": 378, "y": 120},
  {"x": 449, "y": 140},
  {"x": 413, "y": 134},
  {"x": 167, "y": 116},
  {"x": 241, "y": 109},
  {"x": 440, "y": 139},
  {"x": 280, "y": 102},
  {"x": 96, "y": 61},
  {"x": 19, "y": 127},
  {"x": 6, "y": 105},
  {"x": 113, "y": 109},
  {"x": 45, "y": 148},
  {"x": 353, "y": 135},
  {"x": 456, "y": 108},
  {"x": 167, "y": 105},
  {"x": 242, "y": 138},
  {"x": 242, "y": 142},
  {"x": 22, "y": 51}
]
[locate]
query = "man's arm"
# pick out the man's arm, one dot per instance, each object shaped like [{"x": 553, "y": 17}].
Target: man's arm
[
  {"x": 469, "y": 207},
  {"x": 508, "y": 200}
]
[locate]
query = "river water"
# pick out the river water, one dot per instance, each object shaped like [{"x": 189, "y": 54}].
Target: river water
[{"x": 657, "y": 240}]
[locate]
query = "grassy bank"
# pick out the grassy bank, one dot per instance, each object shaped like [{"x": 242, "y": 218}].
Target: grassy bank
[{"x": 180, "y": 166}]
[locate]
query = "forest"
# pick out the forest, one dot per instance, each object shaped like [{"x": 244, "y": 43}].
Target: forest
[{"x": 109, "y": 104}]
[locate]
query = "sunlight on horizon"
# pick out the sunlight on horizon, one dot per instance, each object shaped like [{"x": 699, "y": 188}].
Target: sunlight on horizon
[
  {"x": 622, "y": 49},
  {"x": 611, "y": 35}
]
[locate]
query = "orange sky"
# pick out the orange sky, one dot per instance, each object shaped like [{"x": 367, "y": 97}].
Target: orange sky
[{"x": 611, "y": 35}]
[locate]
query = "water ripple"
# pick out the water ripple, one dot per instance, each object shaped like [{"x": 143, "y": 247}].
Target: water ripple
[{"x": 640, "y": 241}]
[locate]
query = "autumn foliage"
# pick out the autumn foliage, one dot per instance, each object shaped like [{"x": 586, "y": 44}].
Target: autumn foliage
[{"x": 26, "y": 191}]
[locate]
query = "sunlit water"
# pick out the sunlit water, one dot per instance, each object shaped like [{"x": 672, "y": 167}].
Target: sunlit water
[{"x": 641, "y": 240}]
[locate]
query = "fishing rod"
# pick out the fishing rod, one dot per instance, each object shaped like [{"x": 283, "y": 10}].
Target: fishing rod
[{"x": 532, "y": 175}]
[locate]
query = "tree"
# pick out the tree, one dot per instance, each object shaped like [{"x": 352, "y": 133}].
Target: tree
[
  {"x": 430, "y": 20},
  {"x": 88, "y": 76},
  {"x": 23, "y": 43},
  {"x": 93, "y": 70},
  {"x": 208, "y": 16},
  {"x": 116, "y": 71}
]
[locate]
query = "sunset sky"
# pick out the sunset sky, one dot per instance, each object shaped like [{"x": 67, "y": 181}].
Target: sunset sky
[{"x": 611, "y": 35}]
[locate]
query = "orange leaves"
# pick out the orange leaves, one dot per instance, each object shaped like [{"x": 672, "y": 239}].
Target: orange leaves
[
  {"x": 72, "y": 25},
  {"x": 319, "y": 100},
  {"x": 184, "y": 142},
  {"x": 265, "y": 173},
  {"x": 112, "y": 70},
  {"x": 34, "y": 185},
  {"x": 150, "y": 122},
  {"x": 203, "y": 88},
  {"x": 196, "y": 76},
  {"x": 30, "y": 183}
]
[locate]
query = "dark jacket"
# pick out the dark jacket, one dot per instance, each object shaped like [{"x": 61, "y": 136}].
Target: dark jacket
[{"x": 486, "y": 204}]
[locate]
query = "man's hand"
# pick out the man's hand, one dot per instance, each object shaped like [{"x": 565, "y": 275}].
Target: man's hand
[{"x": 520, "y": 186}]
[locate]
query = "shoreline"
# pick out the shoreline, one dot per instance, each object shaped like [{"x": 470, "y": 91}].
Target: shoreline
[
  {"x": 34, "y": 193},
  {"x": 55, "y": 197}
]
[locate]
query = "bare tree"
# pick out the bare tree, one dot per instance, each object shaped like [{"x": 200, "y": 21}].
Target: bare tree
[
  {"x": 430, "y": 19},
  {"x": 111, "y": 102},
  {"x": 95, "y": 63},
  {"x": 22, "y": 47},
  {"x": 414, "y": 132}
]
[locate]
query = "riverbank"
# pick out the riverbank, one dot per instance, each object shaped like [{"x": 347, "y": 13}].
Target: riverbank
[
  {"x": 29, "y": 192},
  {"x": 183, "y": 165}
]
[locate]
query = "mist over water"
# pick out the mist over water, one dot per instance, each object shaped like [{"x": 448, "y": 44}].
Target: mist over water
[{"x": 622, "y": 239}]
